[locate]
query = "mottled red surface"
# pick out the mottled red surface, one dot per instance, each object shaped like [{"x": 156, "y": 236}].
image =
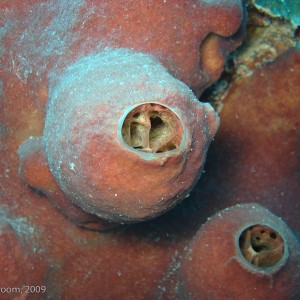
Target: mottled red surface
[
  {"x": 255, "y": 156},
  {"x": 215, "y": 268},
  {"x": 87, "y": 154},
  {"x": 44, "y": 35},
  {"x": 111, "y": 265},
  {"x": 35, "y": 172},
  {"x": 23, "y": 263}
]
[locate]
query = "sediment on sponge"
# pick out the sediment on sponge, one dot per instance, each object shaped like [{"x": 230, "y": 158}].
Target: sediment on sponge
[
  {"x": 120, "y": 112},
  {"x": 242, "y": 252}
]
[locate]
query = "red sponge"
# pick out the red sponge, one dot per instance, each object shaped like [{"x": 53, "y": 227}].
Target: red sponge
[{"x": 243, "y": 252}]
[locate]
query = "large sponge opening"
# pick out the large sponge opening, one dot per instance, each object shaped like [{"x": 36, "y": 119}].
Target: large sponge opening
[
  {"x": 261, "y": 245},
  {"x": 152, "y": 127}
]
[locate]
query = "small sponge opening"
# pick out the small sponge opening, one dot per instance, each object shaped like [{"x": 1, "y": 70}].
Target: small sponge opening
[
  {"x": 152, "y": 128},
  {"x": 261, "y": 245}
]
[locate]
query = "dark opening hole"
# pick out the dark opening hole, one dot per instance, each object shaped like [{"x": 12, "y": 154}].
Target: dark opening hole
[
  {"x": 155, "y": 122},
  {"x": 261, "y": 245},
  {"x": 259, "y": 248},
  {"x": 152, "y": 127},
  {"x": 136, "y": 115}
]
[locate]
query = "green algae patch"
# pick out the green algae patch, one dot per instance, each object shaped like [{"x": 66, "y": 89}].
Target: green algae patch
[{"x": 286, "y": 9}]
